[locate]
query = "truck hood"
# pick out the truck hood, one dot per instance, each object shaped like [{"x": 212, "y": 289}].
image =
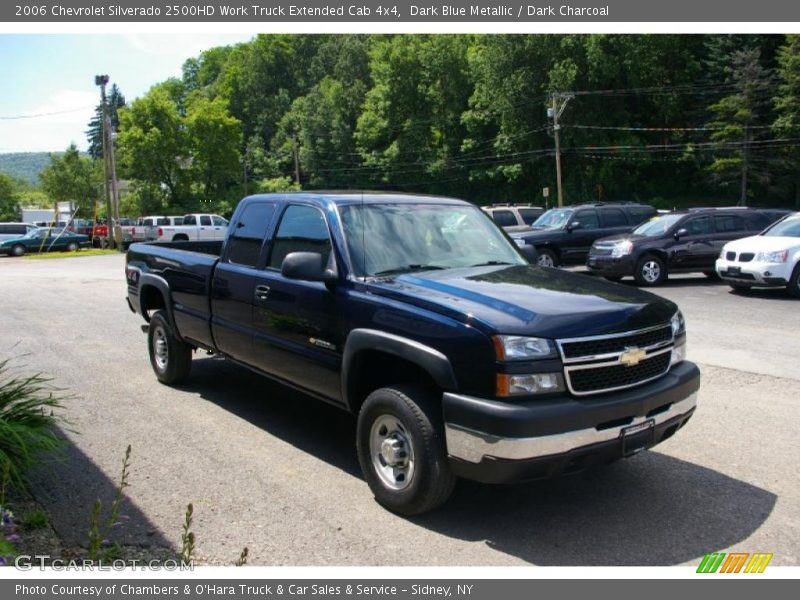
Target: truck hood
[
  {"x": 763, "y": 243},
  {"x": 529, "y": 300},
  {"x": 537, "y": 235}
]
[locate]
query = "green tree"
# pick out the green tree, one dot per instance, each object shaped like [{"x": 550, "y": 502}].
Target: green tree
[
  {"x": 9, "y": 201},
  {"x": 787, "y": 108},
  {"x": 154, "y": 146},
  {"x": 214, "y": 138},
  {"x": 72, "y": 178},
  {"x": 736, "y": 119},
  {"x": 94, "y": 135}
]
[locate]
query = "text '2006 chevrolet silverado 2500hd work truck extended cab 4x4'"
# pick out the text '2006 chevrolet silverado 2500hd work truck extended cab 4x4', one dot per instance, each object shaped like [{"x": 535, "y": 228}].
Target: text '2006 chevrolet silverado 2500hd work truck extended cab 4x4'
[{"x": 421, "y": 317}]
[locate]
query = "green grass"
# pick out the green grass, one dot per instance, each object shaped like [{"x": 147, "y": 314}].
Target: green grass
[
  {"x": 36, "y": 519},
  {"x": 90, "y": 252}
]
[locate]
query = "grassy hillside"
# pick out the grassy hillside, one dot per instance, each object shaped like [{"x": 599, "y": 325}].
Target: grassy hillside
[{"x": 24, "y": 165}]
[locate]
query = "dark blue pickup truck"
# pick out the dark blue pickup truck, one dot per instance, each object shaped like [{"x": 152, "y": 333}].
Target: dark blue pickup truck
[{"x": 421, "y": 317}]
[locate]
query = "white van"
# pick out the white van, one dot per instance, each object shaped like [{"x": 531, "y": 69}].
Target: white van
[{"x": 12, "y": 231}]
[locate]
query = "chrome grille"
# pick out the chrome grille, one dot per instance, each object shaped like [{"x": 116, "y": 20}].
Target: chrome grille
[{"x": 594, "y": 365}]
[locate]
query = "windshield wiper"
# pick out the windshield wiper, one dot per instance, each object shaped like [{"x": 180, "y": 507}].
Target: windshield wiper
[
  {"x": 491, "y": 263},
  {"x": 408, "y": 268}
]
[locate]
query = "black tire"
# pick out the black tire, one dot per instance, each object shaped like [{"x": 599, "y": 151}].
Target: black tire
[
  {"x": 72, "y": 247},
  {"x": 170, "y": 357},
  {"x": 410, "y": 419},
  {"x": 18, "y": 250},
  {"x": 739, "y": 288},
  {"x": 650, "y": 270},
  {"x": 793, "y": 286},
  {"x": 180, "y": 238},
  {"x": 547, "y": 258}
]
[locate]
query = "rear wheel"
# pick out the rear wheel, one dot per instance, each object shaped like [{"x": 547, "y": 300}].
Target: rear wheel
[
  {"x": 401, "y": 449},
  {"x": 18, "y": 250},
  {"x": 650, "y": 270},
  {"x": 170, "y": 357},
  {"x": 547, "y": 258},
  {"x": 794, "y": 282}
]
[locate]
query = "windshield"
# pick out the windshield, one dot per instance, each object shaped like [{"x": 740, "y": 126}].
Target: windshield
[
  {"x": 657, "y": 226},
  {"x": 555, "y": 218},
  {"x": 385, "y": 239},
  {"x": 789, "y": 227}
]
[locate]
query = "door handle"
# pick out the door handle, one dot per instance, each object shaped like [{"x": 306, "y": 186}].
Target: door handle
[{"x": 262, "y": 292}]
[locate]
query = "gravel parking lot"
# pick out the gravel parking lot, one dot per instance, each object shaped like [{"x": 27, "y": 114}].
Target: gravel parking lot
[{"x": 275, "y": 471}]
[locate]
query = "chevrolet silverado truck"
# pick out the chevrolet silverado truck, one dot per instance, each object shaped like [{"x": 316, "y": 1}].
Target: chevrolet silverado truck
[{"x": 421, "y": 317}]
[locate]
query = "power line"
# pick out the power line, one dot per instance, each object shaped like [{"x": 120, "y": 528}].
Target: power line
[{"x": 47, "y": 114}]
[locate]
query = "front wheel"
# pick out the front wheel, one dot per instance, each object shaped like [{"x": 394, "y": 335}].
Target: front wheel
[
  {"x": 18, "y": 250},
  {"x": 401, "y": 449},
  {"x": 794, "y": 282},
  {"x": 547, "y": 258},
  {"x": 650, "y": 270},
  {"x": 170, "y": 357}
]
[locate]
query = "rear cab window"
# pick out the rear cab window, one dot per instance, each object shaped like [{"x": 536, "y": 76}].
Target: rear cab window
[
  {"x": 247, "y": 237},
  {"x": 613, "y": 217}
]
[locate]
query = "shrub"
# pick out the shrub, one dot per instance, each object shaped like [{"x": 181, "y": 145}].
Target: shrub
[{"x": 27, "y": 423}]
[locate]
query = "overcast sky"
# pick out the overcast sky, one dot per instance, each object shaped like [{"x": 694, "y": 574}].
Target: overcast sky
[{"x": 44, "y": 74}]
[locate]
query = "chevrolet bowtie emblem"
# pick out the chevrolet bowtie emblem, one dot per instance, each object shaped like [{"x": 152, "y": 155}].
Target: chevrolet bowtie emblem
[{"x": 632, "y": 356}]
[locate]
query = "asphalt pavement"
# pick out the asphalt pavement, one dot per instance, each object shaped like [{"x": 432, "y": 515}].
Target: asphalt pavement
[{"x": 273, "y": 470}]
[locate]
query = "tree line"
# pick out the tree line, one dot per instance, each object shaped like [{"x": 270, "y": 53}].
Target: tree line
[{"x": 667, "y": 119}]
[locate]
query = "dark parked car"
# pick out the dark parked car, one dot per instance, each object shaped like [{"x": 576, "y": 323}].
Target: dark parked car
[
  {"x": 564, "y": 235},
  {"x": 44, "y": 240},
  {"x": 678, "y": 242},
  {"x": 418, "y": 315}
]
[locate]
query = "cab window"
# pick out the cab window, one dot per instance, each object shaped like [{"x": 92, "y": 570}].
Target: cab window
[
  {"x": 698, "y": 226},
  {"x": 302, "y": 229},
  {"x": 244, "y": 243},
  {"x": 587, "y": 218}
]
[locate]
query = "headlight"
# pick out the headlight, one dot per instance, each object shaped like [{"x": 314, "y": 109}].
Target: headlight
[
  {"x": 515, "y": 347},
  {"x": 678, "y": 352},
  {"x": 772, "y": 257},
  {"x": 622, "y": 249},
  {"x": 534, "y": 383},
  {"x": 678, "y": 324}
]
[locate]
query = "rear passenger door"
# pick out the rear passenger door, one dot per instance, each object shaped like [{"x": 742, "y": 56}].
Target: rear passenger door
[
  {"x": 614, "y": 221},
  {"x": 726, "y": 229},
  {"x": 205, "y": 229},
  {"x": 297, "y": 333},
  {"x": 232, "y": 287}
]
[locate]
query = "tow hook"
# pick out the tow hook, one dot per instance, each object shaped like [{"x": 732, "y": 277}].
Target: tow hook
[{"x": 145, "y": 327}]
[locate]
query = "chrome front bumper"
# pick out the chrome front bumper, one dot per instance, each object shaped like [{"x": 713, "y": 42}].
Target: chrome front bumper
[{"x": 475, "y": 446}]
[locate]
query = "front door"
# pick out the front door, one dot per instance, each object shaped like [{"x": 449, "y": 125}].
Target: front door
[
  {"x": 695, "y": 249},
  {"x": 585, "y": 226},
  {"x": 297, "y": 332}
]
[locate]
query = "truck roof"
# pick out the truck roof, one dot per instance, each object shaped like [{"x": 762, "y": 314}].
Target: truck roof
[{"x": 356, "y": 197}]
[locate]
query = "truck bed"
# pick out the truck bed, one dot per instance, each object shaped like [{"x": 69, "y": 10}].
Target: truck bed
[{"x": 187, "y": 267}]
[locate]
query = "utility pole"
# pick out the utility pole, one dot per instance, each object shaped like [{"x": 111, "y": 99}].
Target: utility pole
[
  {"x": 102, "y": 81},
  {"x": 114, "y": 191},
  {"x": 560, "y": 101},
  {"x": 296, "y": 160}
]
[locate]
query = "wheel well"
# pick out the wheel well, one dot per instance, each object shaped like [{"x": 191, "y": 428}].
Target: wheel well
[
  {"x": 372, "y": 369},
  {"x": 151, "y": 300},
  {"x": 657, "y": 253},
  {"x": 180, "y": 237}
]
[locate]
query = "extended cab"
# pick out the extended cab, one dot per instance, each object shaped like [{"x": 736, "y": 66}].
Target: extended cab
[{"x": 418, "y": 315}]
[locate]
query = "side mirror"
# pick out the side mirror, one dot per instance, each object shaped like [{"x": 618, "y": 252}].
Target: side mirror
[
  {"x": 530, "y": 253},
  {"x": 308, "y": 266},
  {"x": 681, "y": 232},
  {"x": 574, "y": 225}
]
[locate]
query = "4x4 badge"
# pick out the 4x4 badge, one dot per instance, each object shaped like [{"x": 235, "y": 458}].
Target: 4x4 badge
[{"x": 632, "y": 356}]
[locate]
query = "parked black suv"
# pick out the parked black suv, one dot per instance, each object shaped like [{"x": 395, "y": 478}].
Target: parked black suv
[
  {"x": 678, "y": 242},
  {"x": 564, "y": 235}
]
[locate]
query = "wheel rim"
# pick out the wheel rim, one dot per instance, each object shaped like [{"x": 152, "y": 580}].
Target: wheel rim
[
  {"x": 18, "y": 250},
  {"x": 160, "y": 351},
  {"x": 651, "y": 271},
  {"x": 72, "y": 247},
  {"x": 392, "y": 452},
  {"x": 545, "y": 260}
]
